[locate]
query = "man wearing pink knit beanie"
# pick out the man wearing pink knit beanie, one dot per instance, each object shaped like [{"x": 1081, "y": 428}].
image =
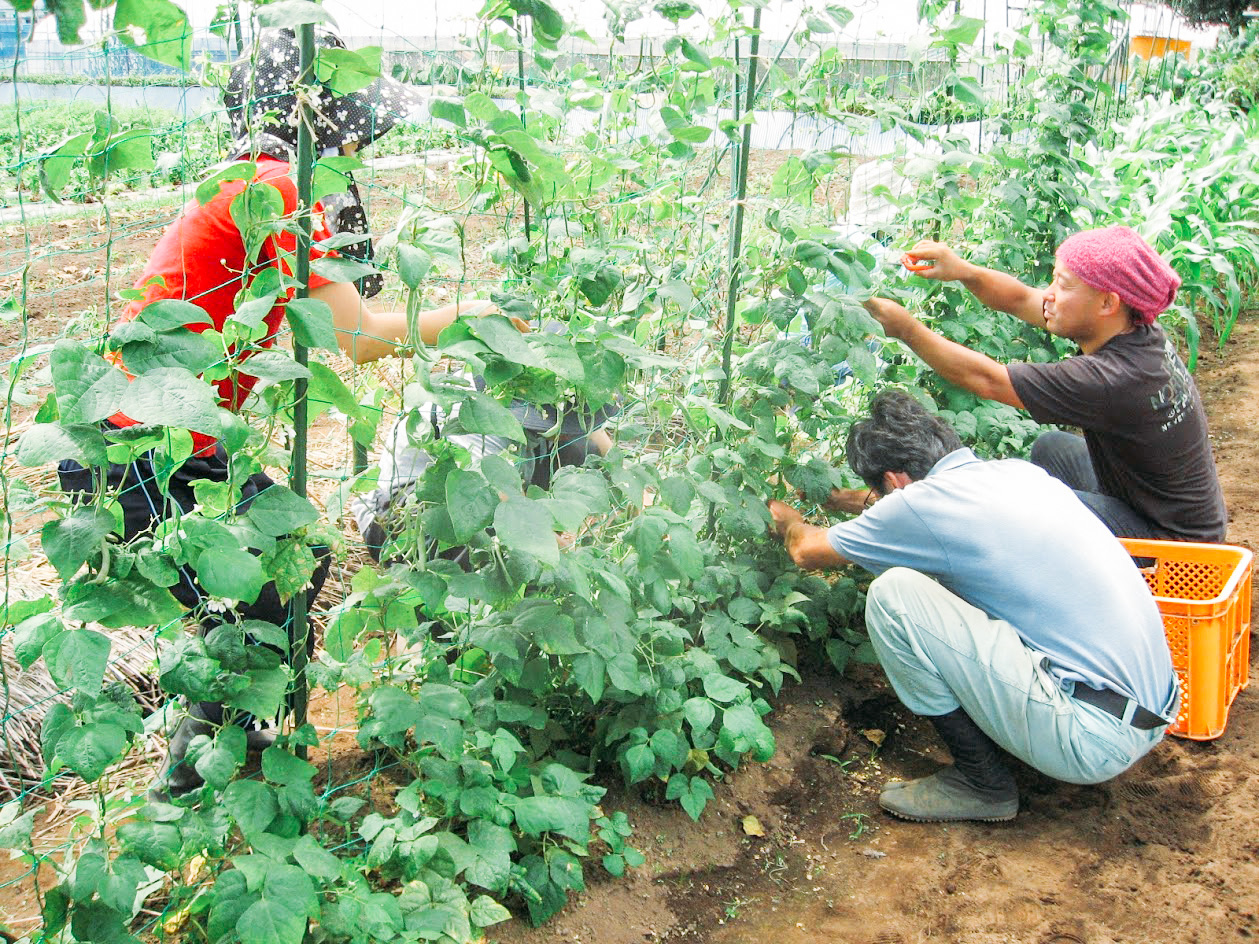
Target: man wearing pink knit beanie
[{"x": 1144, "y": 464}]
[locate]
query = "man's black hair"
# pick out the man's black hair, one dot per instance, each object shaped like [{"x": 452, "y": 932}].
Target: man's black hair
[{"x": 898, "y": 436}]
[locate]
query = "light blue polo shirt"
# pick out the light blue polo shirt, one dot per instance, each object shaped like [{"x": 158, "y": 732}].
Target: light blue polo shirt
[{"x": 1018, "y": 544}]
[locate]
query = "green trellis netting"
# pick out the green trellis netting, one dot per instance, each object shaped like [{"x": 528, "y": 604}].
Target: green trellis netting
[{"x": 701, "y": 203}]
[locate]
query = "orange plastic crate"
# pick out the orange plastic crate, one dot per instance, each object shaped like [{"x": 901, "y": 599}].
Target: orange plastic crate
[{"x": 1203, "y": 593}]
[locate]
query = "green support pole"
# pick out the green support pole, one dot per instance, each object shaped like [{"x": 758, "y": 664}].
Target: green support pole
[
  {"x": 299, "y": 629},
  {"x": 736, "y": 226},
  {"x": 739, "y": 178}
]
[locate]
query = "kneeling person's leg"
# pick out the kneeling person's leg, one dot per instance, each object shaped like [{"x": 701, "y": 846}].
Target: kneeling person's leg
[
  {"x": 940, "y": 653},
  {"x": 1065, "y": 456}
]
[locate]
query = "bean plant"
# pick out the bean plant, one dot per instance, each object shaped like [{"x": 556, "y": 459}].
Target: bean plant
[{"x": 632, "y": 623}]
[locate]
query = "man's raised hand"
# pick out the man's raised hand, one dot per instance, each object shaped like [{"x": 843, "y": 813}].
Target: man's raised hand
[
  {"x": 896, "y": 320},
  {"x": 936, "y": 261}
]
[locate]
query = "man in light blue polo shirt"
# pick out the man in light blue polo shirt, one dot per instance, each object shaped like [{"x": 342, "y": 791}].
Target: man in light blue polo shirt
[{"x": 1003, "y": 610}]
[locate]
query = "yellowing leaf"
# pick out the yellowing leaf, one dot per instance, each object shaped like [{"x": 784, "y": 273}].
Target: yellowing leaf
[
  {"x": 875, "y": 736},
  {"x": 752, "y": 826}
]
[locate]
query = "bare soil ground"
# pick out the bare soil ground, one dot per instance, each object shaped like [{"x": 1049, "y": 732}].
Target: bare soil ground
[
  {"x": 796, "y": 850},
  {"x": 1168, "y": 853}
]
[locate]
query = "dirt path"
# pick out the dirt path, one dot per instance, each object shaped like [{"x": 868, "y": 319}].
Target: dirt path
[{"x": 1166, "y": 854}]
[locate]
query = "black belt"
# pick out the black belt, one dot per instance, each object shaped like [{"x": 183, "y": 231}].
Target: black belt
[{"x": 1115, "y": 704}]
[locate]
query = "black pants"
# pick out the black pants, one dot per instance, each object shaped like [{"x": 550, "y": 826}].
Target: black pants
[
  {"x": 144, "y": 506},
  {"x": 1065, "y": 456},
  {"x": 538, "y": 462}
]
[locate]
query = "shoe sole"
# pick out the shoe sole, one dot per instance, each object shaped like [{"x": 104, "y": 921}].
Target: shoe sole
[{"x": 1003, "y": 818}]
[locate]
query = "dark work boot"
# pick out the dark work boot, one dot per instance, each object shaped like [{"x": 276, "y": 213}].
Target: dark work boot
[
  {"x": 178, "y": 777},
  {"x": 977, "y": 786}
]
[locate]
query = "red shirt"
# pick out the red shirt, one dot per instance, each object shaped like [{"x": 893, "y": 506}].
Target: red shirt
[{"x": 201, "y": 259}]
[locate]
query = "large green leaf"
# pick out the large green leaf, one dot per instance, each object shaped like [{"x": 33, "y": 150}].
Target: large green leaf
[
  {"x": 699, "y": 713},
  {"x": 72, "y": 541},
  {"x": 327, "y": 389},
  {"x": 447, "y": 110},
  {"x": 526, "y": 526},
  {"x": 348, "y": 70},
  {"x": 341, "y": 268},
  {"x": 278, "y": 511},
  {"x": 290, "y": 885},
  {"x": 56, "y": 164},
  {"x": 157, "y": 29},
  {"x": 129, "y": 150},
  {"x": 209, "y": 188},
  {"x": 146, "y": 349},
  {"x": 333, "y": 175},
  {"x": 392, "y": 711},
  {"x": 70, "y": 15},
  {"x": 279, "y": 766},
  {"x": 492, "y": 846},
  {"x": 485, "y": 415},
  {"x": 270, "y": 921},
  {"x": 485, "y": 911},
  {"x": 125, "y": 601},
  {"x": 698, "y": 59},
  {"x": 52, "y": 442},
  {"x": 231, "y": 573},
  {"x": 680, "y": 128},
  {"x": 77, "y": 659},
  {"x": 723, "y": 688},
  {"x": 315, "y": 859},
  {"x": 88, "y": 389},
  {"x": 276, "y": 367},
  {"x": 540, "y": 814},
  {"x": 590, "y": 671},
  {"x": 173, "y": 397},
  {"x": 548, "y": 628},
  {"x": 414, "y": 263},
  {"x": 90, "y": 749},
  {"x": 217, "y": 766},
  {"x": 470, "y": 502},
  {"x": 251, "y": 804},
  {"x": 685, "y": 551},
  {"x": 155, "y": 844},
  {"x": 173, "y": 314},
  {"x": 504, "y": 339},
  {"x": 966, "y": 89},
  {"x": 962, "y": 31},
  {"x": 558, "y": 355},
  {"x": 32, "y": 634},
  {"x": 264, "y": 694},
  {"x": 311, "y": 321},
  {"x": 548, "y": 24},
  {"x": 293, "y": 13}
]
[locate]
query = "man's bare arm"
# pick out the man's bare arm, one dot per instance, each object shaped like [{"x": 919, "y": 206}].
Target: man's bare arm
[
  {"x": 976, "y": 372},
  {"x": 994, "y": 289},
  {"x": 807, "y": 544}
]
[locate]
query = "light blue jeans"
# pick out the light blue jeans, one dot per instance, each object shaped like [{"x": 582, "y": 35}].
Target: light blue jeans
[{"x": 941, "y": 653}]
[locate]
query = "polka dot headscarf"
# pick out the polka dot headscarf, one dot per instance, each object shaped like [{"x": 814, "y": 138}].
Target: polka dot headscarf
[
  {"x": 262, "y": 105},
  {"x": 262, "y": 108}
]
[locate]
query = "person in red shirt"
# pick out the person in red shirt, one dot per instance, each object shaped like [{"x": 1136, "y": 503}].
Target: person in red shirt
[{"x": 205, "y": 259}]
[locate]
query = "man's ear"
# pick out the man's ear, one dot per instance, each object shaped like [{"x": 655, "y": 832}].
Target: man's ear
[
  {"x": 1112, "y": 305},
  {"x": 894, "y": 480}
]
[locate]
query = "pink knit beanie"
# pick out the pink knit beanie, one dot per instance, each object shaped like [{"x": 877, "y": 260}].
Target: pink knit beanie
[{"x": 1116, "y": 259}]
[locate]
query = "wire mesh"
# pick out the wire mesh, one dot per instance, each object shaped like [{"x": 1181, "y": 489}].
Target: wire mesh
[{"x": 67, "y": 254}]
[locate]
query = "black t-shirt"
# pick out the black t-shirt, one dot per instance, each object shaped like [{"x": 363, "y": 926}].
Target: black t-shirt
[{"x": 1144, "y": 424}]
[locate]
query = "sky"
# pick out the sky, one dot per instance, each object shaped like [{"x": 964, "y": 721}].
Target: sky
[
  {"x": 886, "y": 21},
  {"x": 893, "y": 21}
]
